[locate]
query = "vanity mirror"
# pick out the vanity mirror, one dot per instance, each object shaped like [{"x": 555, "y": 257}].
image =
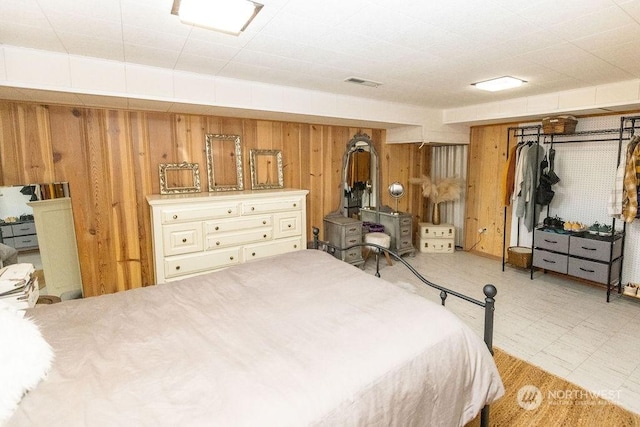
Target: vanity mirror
[
  {"x": 224, "y": 162},
  {"x": 266, "y": 169},
  {"x": 179, "y": 178},
  {"x": 360, "y": 178}
]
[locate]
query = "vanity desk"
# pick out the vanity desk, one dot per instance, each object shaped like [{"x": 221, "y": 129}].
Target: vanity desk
[{"x": 399, "y": 225}]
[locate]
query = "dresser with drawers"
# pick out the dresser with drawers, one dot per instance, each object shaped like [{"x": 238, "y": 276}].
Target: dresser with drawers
[
  {"x": 200, "y": 232},
  {"x": 343, "y": 232},
  {"x": 399, "y": 225},
  {"x": 19, "y": 235},
  {"x": 582, "y": 255},
  {"x": 436, "y": 238}
]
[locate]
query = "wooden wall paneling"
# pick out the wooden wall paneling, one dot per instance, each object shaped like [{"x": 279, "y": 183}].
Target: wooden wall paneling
[
  {"x": 315, "y": 172},
  {"x": 160, "y": 132},
  {"x": 483, "y": 207},
  {"x": 10, "y": 169},
  {"x": 291, "y": 163},
  {"x": 145, "y": 176},
  {"x": 123, "y": 220},
  {"x": 72, "y": 165}
]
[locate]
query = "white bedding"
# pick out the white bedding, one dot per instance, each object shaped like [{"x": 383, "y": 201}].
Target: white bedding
[{"x": 295, "y": 340}]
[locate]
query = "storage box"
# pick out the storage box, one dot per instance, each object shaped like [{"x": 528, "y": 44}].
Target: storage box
[
  {"x": 560, "y": 125},
  {"x": 444, "y": 246},
  {"x": 442, "y": 231}
]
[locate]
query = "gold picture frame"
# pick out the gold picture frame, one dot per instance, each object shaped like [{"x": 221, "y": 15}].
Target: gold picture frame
[
  {"x": 224, "y": 162},
  {"x": 266, "y": 169},
  {"x": 179, "y": 178}
]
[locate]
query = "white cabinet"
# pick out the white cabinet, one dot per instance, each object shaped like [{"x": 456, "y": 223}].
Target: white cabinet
[
  {"x": 437, "y": 238},
  {"x": 201, "y": 232},
  {"x": 58, "y": 247}
]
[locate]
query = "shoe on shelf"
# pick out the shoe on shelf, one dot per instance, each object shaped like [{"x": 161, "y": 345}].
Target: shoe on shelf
[
  {"x": 631, "y": 289},
  {"x": 595, "y": 228},
  {"x": 604, "y": 230}
]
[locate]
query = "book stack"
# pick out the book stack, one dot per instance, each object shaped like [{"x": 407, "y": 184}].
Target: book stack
[
  {"x": 52, "y": 190},
  {"x": 19, "y": 286}
]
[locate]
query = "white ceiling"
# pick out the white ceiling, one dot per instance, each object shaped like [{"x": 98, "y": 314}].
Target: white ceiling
[{"x": 425, "y": 52}]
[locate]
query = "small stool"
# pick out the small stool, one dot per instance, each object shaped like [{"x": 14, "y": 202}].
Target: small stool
[{"x": 380, "y": 239}]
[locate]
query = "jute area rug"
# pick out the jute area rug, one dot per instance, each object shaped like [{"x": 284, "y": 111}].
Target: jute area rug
[{"x": 535, "y": 397}]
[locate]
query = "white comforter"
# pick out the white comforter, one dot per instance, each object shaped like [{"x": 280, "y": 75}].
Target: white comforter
[{"x": 295, "y": 340}]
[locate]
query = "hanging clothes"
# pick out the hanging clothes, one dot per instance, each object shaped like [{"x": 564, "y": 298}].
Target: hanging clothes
[
  {"x": 521, "y": 154},
  {"x": 631, "y": 175},
  {"x": 509, "y": 175},
  {"x": 526, "y": 201},
  {"x": 617, "y": 195}
]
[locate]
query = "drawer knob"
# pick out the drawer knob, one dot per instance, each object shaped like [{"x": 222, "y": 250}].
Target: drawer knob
[
  {"x": 231, "y": 258},
  {"x": 175, "y": 217},
  {"x": 550, "y": 241},
  {"x": 184, "y": 240},
  {"x": 217, "y": 228},
  {"x": 295, "y": 246},
  {"x": 550, "y": 261},
  {"x": 264, "y": 235},
  {"x": 588, "y": 249},
  {"x": 253, "y": 254},
  {"x": 253, "y": 208},
  {"x": 229, "y": 211},
  {"x": 177, "y": 267},
  {"x": 295, "y": 205},
  {"x": 217, "y": 243},
  {"x": 289, "y": 225},
  {"x": 264, "y": 222},
  {"x": 587, "y": 270}
]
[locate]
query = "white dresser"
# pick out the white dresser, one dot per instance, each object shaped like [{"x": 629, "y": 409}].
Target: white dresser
[{"x": 201, "y": 232}]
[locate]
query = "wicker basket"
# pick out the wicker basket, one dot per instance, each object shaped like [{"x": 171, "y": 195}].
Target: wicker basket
[
  {"x": 519, "y": 256},
  {"x": 561, "y": 125}
]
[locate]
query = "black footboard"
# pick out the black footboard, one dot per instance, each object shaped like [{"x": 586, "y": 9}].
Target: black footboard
[{"x": 488, "y": 304}]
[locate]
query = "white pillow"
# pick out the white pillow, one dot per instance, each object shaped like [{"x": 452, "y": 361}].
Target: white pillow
[{"x": 25, "y": 358}]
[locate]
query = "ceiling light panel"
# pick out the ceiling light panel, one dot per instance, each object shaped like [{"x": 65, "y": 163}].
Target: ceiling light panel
[
  {"x": 227, "y": 16},
  {"x": 501, "y": 83}
]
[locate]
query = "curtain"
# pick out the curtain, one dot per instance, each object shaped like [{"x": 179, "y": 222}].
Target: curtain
[{"x": 448, "y": 161}]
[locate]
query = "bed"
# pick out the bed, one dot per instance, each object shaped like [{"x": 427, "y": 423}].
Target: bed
[{"x": 299, "y": 339}]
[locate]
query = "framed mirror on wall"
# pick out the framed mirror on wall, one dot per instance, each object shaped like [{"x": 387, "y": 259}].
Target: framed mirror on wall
[
  {"x": 224, "y": 162},
  {"x": 177, "y": 178},
  {"x": 266, "y": 169}
]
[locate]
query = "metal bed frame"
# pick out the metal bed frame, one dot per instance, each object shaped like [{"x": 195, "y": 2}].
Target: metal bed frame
[{"x": 488, "y": 304}]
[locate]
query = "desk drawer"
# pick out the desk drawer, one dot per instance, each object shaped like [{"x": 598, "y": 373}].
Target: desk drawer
[
  {"x": 550, "y": 261},
  {"x": 551, "y": 241}
]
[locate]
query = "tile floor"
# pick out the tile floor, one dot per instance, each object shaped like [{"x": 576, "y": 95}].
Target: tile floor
[{"x": 564, "y": 326}]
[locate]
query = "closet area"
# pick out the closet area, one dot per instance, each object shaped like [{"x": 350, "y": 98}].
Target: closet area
[{"x": 574, "y": 201}]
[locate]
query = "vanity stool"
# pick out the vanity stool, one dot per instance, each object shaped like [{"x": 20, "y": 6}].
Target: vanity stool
[{"x": 380, "y": 239}]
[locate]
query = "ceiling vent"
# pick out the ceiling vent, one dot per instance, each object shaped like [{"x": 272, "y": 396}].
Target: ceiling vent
[{"x": 363, "y": 82}]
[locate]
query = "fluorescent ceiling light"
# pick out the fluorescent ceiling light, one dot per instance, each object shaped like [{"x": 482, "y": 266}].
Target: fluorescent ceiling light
[
  {"x": 227, "y": 16},
  {"x": 500, "y": 83}
]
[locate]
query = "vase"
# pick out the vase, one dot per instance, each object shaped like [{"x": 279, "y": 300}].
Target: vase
[{"x": 435, "y": 215}]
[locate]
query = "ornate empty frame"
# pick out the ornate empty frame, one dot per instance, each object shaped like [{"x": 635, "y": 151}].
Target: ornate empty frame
[
  {"x": 266, "y": 169},
  {"x": 179, "y": 178},
  {"x": 224, "y": 162}
]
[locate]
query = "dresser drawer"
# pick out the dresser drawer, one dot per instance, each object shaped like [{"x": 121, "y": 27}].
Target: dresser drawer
[
  {"x": 595, "y": 249},
  {"x": 551, "y": 241},
  {"x": 23, "y": 242},
  {"x": 404, "y": 242},
  {"x": 594, "y": 271},
  {"x": 241, "y": 223},
  {"x": 275, "y": 247},
  {"x": 215, "y": 241},
  {"x": 9, "y": 241},
  {"x": 206, "y": 211},
  {"x": 550, "y": 261},
  {"x": 405, "y": 232},
  {"x": 183, "y": 265},
  {"x": 24, "y": 228},
  {"x": 406, "y": 221},
  {"x": 262, "y": 206},
  {"x": 7, "y": 231},
  {"x": 180, "y": 239},
  {"x": 287, "y": 224}
]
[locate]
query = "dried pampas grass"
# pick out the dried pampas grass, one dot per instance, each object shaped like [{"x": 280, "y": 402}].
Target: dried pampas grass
[{"x": 445, "y": 190}]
